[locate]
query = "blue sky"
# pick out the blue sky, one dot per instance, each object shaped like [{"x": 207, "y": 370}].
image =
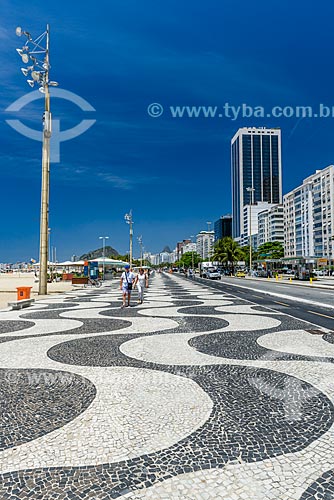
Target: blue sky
[{"x": 174, "y": 173}]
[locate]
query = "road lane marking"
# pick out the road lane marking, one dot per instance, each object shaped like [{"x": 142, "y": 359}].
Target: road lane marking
[
  {"x": 290, "y": 297},
  {"x": 271, "y": 308},
  {"x": 281, "y": 303},
  {"x": 319, "y": 314}
]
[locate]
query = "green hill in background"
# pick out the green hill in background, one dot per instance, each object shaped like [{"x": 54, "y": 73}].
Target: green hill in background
[{"x": 94, "y": 254}]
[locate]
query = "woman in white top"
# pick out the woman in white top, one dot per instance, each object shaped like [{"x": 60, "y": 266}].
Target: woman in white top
[
  {"x": 126, "y": 282},
  {"x": 142, "y": 282}
]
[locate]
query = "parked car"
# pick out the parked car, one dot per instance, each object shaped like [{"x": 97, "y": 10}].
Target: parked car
[
  {"x": 240, "y": 274},
  {"x": 213, "y": 274}
]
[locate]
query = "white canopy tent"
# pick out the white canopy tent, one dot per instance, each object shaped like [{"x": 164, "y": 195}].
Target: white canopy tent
[
  {"x": 66, "y": 263},
  {"x": 109, "y": 262}
]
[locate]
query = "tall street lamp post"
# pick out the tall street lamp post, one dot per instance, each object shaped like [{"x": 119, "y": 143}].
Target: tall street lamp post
[
  {"x": 50, "y": 253},
  {"x": 36, "y": 54},
  {"x": 128, "y": 220},
  {"x": 140, "y": 241},
  {"x": 192, "y": 253},
  {"x": 104, "y": 238},
  {"x": 209, "y": 240},
  {"x": 250, "y": 190},
  {"x": 331, "y": 251}
]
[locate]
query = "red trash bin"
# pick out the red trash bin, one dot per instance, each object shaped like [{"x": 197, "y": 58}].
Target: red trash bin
[{"x": 23, "y": 292}]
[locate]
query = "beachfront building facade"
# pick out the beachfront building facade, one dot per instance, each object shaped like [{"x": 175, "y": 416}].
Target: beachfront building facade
[
  {"x": 204, "y": 244},
  {"x": 271, "y": 225},
  {"x": 309, "y": 217}
]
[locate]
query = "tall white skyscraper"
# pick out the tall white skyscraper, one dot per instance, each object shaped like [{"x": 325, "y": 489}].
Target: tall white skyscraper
[{"x": 256, "y": 163}]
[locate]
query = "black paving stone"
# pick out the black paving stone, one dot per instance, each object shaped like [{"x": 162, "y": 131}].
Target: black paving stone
[
  {"x": 12, "y": 325},
  {"x": 238, "y": 403},
  {"x": 329, "y": 337},
  {"x": 244, "y": 345},
  {"x": 35, "y": 402},
  {"x": 251, "y": 417},
  {"x": 321, "y": 489}
]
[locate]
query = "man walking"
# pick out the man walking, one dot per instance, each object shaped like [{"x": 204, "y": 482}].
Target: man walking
[{"x": 126, "y": 285}]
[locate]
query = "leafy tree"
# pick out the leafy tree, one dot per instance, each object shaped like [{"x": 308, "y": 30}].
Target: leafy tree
[
  {"x": 126, "y": 258},
  {"x": 245, "y": 253},
  {"x": 188, "y": 258},
  {"x": 271, "y": 250}
]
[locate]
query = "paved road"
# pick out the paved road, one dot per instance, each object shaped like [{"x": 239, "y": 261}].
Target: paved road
[
  {"x": 311, "y": 304},
  {"x": 195, "y": 394},
  {"x": 300, "y": 291}
]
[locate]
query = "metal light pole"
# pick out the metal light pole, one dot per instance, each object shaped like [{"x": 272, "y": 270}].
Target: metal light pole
[
  {"x": 192, "y": 253},
  {"x": 250, "y": 190},
  {"x": 209, "y": 241},
  {"x": 50, "y": 253},
  {"x": 31, "y": 53},
  {"x": 104, "y": 238},
  {"x": 140, "y": 241},
  {"x": 128, "y": 219},
  {"x": 330, "y": 257}
]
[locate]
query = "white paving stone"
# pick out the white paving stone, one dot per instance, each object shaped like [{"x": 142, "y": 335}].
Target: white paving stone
[
  {"x": 136, "y": 411},
  {"x": 297, "y": 342}
]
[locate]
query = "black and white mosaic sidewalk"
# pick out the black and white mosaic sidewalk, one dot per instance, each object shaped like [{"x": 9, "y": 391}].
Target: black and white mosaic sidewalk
[{"x": 194, "y": 394}]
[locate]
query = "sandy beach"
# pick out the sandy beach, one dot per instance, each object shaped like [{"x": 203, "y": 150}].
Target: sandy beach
[{"x": 9, "y": 283}]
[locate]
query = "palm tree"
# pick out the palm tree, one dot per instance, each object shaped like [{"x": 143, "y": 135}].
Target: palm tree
[
  {"x": 227, "y": 251},
  {"x": 219, "y": 253}
]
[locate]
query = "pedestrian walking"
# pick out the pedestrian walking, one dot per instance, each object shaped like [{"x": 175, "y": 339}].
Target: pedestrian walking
[
  {"x": 126, "y": 283},
  {"x": 142, "y": 282}
]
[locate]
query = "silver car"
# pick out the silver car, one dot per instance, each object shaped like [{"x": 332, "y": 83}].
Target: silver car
[{"x": 213, "y": 274}]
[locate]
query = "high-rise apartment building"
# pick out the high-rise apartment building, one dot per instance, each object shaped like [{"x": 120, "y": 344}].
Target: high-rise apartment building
[
  {"x": 309, "y": 217},
  {"x": 271, "y": 225},
  {"x": 256, "y": 163},
  {"x": 204, "y": 244},
  {"x": 179, "y": 247},
  {"x": 189, "y": 247},
  {"x": 250, "y": 222}
]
